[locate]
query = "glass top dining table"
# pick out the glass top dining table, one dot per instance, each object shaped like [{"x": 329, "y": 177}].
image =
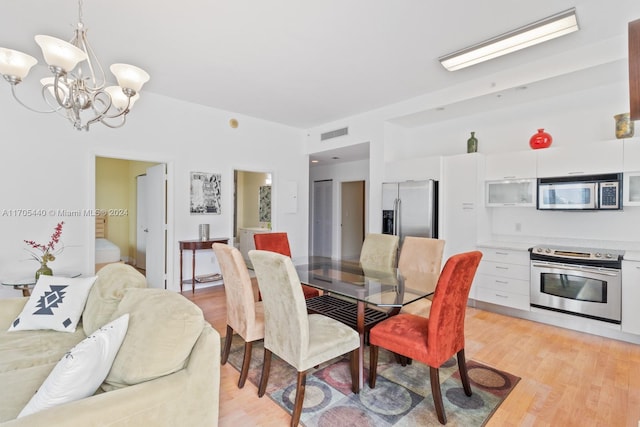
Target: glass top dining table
[
  {"x": 380, "y": 287},
  {"x": 361, "y": 296}
]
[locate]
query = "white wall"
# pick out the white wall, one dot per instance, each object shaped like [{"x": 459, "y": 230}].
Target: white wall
[{"x": 47, "y": 165}]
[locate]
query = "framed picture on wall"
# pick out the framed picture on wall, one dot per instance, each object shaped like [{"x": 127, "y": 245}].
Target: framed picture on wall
[
  {"x": 205, "y": 193},
  {"x": 264, "y": 208}
]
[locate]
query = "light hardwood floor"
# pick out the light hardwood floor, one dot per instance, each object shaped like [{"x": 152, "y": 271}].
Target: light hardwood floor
[{"x": 568, "y": 378}]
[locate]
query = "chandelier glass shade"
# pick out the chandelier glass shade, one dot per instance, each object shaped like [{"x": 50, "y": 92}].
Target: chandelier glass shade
[{"x": 77, "y": 88}]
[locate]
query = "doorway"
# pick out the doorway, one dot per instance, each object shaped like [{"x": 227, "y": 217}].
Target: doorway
[
  {"x": 352, "y": 219},
  {"x": 252, "y": 208},
  {"x": 117, "y": 192},
  {"x": 322, "y": 219}
]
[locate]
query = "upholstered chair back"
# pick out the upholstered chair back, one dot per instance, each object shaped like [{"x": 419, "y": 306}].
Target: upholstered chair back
[
  {"x": 241, "y": 305},
  {"x": 274, "y": 242},
  {"x": 379, "y": 251},
  {"x": 445, "y": 331},
  {"x": 422, "y": 254},
  {"x": 285, "y": 310}
]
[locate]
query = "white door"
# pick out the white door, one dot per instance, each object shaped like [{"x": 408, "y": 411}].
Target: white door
[
  {"x": 141, "y": 222},
  {"x": 322, "y": 218},
  {"x": 156, "y": 226}
]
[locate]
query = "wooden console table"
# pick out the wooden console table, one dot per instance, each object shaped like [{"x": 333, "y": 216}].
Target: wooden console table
[{"x": 193, "y": 246}]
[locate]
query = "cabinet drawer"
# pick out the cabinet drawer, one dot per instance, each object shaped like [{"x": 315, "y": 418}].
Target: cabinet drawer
[
  {"x": 507, "y": 299},
  {"x": 508, "y": 256},
  {"x": 505, "y": 284},
  {"x": 505, "y": 270}
]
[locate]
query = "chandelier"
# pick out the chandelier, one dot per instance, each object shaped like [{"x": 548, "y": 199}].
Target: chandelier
[{"x": 77, "y": 88}]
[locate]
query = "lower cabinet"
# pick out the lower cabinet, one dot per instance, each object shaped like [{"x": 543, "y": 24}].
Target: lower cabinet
[
  {"x": 503, "y": 278},
  {"x": 630, "y": 297}
]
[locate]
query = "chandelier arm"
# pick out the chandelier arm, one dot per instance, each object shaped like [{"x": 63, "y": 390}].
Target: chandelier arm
[
  {"x": 124, "y": 120},
  {"x": 91, "y": 57},
  {"x": 15, "y": 96}
]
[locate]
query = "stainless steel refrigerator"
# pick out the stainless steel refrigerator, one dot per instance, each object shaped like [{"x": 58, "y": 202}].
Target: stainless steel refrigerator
[{"x": 410, "y": 208}]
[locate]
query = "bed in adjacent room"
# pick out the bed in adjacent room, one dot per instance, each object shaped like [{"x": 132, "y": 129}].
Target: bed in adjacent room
[{"x": 107, "y": 252}]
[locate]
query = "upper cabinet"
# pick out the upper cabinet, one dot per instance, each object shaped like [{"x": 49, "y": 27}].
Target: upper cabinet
[
  {"x": 511, "y": 165},
  {"x": 584, "y": 159},
  {"x": 518, "y": 192},
  {"x": 634, "y": 68},
  {"x": 632, "y": 155}
]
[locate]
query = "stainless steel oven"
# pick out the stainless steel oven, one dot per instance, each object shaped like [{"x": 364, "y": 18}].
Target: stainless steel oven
[{"x": 580, "y": 281}]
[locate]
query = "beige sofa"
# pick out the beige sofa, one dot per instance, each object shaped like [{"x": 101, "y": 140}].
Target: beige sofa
[{"x": 166, "y": 373}]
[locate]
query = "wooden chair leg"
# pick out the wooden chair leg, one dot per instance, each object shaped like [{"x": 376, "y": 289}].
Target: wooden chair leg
[
  {"x": 437, "y": 394},
  {"x": 297, "y": 409},
  {"x": 246, "y": 361},
  {"x": 266, "y": 367},
  {"x": 355, "y": 369},
  {"x": 227, "y": 345},
  {"x": 373, "y": 365},
  {"x": 464, "y": 375}
]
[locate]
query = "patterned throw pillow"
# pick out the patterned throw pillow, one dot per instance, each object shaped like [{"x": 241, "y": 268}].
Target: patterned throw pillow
[
  {"x": 81, "y": 371},
  {"x": 56, "y": 303}
]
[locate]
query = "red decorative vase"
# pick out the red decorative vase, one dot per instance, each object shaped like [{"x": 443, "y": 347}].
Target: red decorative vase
[{"x": 540, "y": 140}]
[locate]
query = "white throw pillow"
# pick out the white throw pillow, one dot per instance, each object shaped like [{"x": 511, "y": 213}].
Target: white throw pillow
[
  {"x": 55, "y": 303},
  {"x": 81, "y": 371}
]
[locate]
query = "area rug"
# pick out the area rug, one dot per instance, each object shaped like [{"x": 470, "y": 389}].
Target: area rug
[{"x": 402, "y": 396}]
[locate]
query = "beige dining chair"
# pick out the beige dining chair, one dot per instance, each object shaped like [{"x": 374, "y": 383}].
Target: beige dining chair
[
  {"x": 245, "y": 316},
  {"x": 422, "y": 255},
  {"x": 302, "y": 340},
  {"x": 379, "y": 251}
]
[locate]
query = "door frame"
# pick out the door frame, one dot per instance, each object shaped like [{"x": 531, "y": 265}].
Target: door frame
[{"x": 90, "y": 240}]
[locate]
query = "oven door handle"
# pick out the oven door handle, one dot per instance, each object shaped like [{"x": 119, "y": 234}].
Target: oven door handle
[{"x": 575, "y": 268}]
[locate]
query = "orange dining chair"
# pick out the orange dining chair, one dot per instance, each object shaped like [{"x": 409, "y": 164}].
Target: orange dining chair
[
  {"x": 279, "y": 242},
  {"x": 435, "y": 339},
  {"x": 302, "y": 340},
  {"x": 245, "y": 316}
]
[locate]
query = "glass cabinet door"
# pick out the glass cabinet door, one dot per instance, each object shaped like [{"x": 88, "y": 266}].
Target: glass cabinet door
[
  {"x": 631, "y": 189},
  {"x": 511, "y": 193}
]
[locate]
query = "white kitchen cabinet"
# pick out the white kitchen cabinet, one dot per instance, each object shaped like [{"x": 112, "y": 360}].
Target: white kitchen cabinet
[
  {"x": 581, "y": 159},
  {"x": 630, "y": 297},
  {"x": 631, "y": 189},
  {"x": 511, "y": 165},
  {"x": 462, "y": 206},
  {"x": 461, "y": 196},
  {"x": 631, "y": 155},
  {"x": 519, "y": 192},
  {"x": 503, "y": 278},
  {"x": 246, "y": 240}
]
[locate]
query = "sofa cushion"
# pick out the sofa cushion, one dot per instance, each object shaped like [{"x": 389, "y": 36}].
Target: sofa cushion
[
  {"x": 26, "y": 358},
  {"x": 106, "y": 293},
  {"x": 55, "y": 303},
  {"x": 81, "y": 370},
  {"x": 163, "y": 327}
]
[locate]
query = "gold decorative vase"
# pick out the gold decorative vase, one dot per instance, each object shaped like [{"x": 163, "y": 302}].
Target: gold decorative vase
[{"x": 624, "y": 126}]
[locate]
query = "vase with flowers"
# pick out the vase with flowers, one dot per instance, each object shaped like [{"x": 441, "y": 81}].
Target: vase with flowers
[{"x": 45, "y": 253}]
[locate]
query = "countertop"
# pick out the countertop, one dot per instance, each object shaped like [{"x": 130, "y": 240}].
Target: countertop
[{"x": 632, "y": 249}]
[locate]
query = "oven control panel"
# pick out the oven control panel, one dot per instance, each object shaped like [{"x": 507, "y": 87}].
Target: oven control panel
[{"x": 578, "y": 254}]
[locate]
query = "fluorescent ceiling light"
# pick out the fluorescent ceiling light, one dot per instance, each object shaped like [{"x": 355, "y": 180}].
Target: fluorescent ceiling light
[{"x": 537, "y": 32}]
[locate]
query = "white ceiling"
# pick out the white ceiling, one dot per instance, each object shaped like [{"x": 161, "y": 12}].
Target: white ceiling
[{"x": 306, "y": 63}]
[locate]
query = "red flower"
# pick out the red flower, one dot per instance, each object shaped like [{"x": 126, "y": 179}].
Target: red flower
[{"x": 49, "y": 250}]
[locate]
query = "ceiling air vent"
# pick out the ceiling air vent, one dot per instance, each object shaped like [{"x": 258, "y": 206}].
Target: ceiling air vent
[{"x": 334, "y": 134}]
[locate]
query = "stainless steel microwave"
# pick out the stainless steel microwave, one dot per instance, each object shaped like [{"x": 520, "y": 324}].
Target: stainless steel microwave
[{"x": 592, "y": 192}]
